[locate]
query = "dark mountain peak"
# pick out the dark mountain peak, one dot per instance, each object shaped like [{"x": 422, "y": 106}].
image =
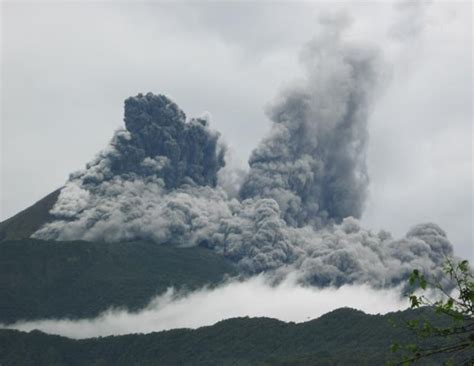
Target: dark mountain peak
[{"x": 26, "y": 222}]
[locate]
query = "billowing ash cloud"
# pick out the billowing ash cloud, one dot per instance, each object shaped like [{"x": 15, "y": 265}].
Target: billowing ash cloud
[
  {"x": 158, "y": 142},
  {"x": 313, "y": 163},
  {"x": 296, "y": 213}
]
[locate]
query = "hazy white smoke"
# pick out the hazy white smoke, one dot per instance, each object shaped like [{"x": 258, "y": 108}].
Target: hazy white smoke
[
  {"x": 254, "y": 297},
  {"x": 158, "y": 180}
]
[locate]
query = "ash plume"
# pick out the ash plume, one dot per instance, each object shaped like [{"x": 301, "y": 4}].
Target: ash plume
[
  {"x": 160, "y": 179},
  {"x": 314, "y": 161},
  {"x": 158, "y": 142}
]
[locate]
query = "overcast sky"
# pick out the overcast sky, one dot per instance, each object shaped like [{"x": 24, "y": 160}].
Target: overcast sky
[{"x": 67, "y": 67}]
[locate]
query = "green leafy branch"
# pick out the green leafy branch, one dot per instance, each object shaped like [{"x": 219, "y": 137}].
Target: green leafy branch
[{"x": 455, "y": 340}]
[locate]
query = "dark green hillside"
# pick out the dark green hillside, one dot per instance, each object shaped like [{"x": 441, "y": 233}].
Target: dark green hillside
[
  {"x": 42, "y": 279},
  {"x": 342, "y": 337},
  {"x": 26, "y": 222}
]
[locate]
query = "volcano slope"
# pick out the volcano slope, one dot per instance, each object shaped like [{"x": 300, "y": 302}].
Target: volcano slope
[
  {"x": 49, "y": 279},
  {"x": 25, "y": 223}
]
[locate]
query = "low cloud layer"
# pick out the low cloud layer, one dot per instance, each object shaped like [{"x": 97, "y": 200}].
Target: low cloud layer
[
  {"x": 296, "y": 212},
  {"x": 254, "y": 297}
]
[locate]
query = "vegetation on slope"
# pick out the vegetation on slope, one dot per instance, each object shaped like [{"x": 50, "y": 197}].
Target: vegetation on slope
[
  {"x": 342, "y": 337},
  {"x": 453, "y": 338},
  {"x": 42, "y": 279}
]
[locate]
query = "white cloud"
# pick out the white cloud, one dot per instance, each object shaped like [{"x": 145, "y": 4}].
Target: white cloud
[{"x": 254, "y": 297}]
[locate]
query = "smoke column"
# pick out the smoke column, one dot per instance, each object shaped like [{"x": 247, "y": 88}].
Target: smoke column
[{"x": 314, "y": 162}]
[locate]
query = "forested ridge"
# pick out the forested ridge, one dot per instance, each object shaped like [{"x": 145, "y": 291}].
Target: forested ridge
[{"x": 342, "y": 337}]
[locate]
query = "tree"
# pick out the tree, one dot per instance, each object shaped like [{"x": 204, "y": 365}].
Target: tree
[{"x": 450, "y": 334}]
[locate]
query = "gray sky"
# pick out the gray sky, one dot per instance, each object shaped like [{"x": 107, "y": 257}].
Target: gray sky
[{"x": 67, "y": 67}]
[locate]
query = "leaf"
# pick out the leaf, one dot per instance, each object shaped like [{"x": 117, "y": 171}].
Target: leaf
[
  {"x": 423, "y": 282},
  {"x": 463, "y": 266},
  {"x": 415, "y": 302},
  {"x": 413, "y": 324},
  {"x": 413, "y": 277},
  {"x": 470, "y": 296},
  {"x": 394, "y": 347}
]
